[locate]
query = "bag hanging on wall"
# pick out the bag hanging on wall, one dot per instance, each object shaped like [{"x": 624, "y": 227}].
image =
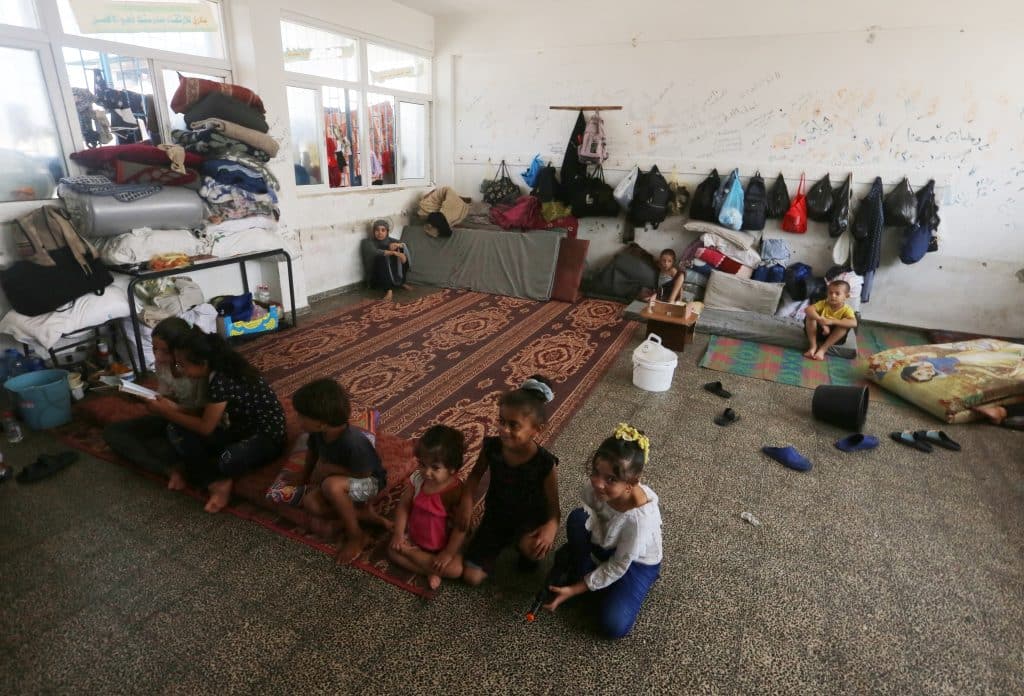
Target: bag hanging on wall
[
  {"x": 500, "y": 189},
  {"x": 650, "y": 199},
  {"x": 573, "y": 172},
  {"x": 900, "y": 206},
  {"x": 795, "y": 219},
  {"x": 702, "y": 207},
  {"x": 819, "y": 200},
  {"x": 624, "y": 189},
  {"x": 530, "y": 175},
  {"x": 546, "y": 185},
  {"x": 594, "y": 197},
  {"x": 754, "y": 200},
  {"x": 839, "y": 221},
  {"x": 594, "y": 148},
  {"x": 918, "y": 237},
  {"x": 778, "y": 199},
  {"x": 731, "y": 213}
]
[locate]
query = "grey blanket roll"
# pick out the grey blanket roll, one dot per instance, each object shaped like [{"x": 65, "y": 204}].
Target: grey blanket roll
[
  {"x": 519, "y": 264},
  {"x": 171, "y": 208}
]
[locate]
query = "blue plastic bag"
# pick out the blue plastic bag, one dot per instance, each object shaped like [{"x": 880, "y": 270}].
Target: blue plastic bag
[
  {"x": 731, "y": 213},
  {"x": 530, "y": 175}
]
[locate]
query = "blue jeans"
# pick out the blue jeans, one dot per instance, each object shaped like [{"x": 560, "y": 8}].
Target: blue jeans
[
  {"x": 215, "y": 457},
  {"x": 618, "y": 605}
]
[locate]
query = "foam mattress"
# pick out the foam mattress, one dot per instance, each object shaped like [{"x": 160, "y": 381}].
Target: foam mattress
[{"x": 171, "y": 208}]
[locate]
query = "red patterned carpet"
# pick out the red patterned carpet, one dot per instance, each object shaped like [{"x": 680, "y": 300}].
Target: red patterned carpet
[{"x": 444, "y": 358}]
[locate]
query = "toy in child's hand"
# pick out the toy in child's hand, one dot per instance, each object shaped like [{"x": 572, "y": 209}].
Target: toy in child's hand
[{"x": 557, "y": 576}]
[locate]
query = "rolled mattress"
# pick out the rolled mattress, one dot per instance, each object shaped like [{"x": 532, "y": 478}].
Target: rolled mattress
[{"x": 171, "y": 208}]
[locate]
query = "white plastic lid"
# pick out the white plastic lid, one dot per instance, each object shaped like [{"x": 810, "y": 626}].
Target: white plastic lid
[{"x": 652, "y": 352}]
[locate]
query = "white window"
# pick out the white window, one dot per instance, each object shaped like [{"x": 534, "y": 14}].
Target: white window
[
  {"x": 359, "y": 111},
  {"x": 89, "y": 73}
]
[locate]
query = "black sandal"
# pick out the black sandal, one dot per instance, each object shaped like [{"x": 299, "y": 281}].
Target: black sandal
[
  {"x": 717, "y": 389},
  {"x": 46, "y": 466}
]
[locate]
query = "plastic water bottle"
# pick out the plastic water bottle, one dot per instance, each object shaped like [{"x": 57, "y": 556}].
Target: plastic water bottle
[
  {"x": 32, "y": 361},
  {"x": 15, "y": 362},
  {"x": 12, "y": 429},
  {"x": 749, "y": 518}
]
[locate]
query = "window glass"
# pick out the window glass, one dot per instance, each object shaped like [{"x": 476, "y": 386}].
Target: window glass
[
  {"x": 382, "y": 138},
  {"x": 31, "y": 161},
  {"x": 182, "y": 26},
  {"x": 170, "y": 78},
  {"x": 341, "y": 133},
  {"x": 20, "y": 13},
  {"x": 113, "y": 98},
  {"x": 396, "y": 69},
  {"x": 302, "y": 117},
  {"x": 316, "y": 52},
  {"x": 413, "y": 140}
]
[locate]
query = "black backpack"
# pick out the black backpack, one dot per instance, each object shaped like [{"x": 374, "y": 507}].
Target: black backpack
[
  {"x": 754, "y": 202},
  {"x": 778, "y": 199},
  {"x": 702, "y": 207},
  {"x": 650, "y": 199},
  {"x": 546, "y": 186},
  {"x": 594, "y": 197}
]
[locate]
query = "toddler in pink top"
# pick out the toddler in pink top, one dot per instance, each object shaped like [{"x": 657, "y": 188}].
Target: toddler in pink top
[{"x": 426, "y": 538}]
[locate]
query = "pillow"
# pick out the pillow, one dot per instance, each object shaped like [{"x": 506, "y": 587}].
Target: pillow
[
  {"x": 727, "y": 291},
  {"x": 147, "y": 154},
  {"x": 947, "y": 379},
  {"x": 192, "y": 89},
  {"x": 572, "y": 255},
  {"x": 743, "y": 240},
  {"x": 137, "y": 173}
]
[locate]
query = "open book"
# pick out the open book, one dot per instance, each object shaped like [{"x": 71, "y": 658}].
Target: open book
[{"x": 135, "y": 390}]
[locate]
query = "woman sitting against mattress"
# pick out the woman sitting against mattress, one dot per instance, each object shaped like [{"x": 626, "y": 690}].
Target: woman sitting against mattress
[{"x": 385, "y": 260}]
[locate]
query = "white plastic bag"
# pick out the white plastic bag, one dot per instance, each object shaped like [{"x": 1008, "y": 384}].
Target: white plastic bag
[{"x": 623, "y": 193}]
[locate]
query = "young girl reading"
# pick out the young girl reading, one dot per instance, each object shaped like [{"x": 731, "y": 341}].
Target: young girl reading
[
  {"x": 426, "y": 539},
  {"x": 143, "y": 440},
  {"x": 240, "y": 428},
  {"x": 619, "y": 525},
  {"x": 522, "y": 496}
]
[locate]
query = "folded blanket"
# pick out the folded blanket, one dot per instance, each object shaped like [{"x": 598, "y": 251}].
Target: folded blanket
[
  {"x": 231, "y": 173},
  {"x": 252, "y": 138},
  {"x": 211, "y": 143},
  {"x": 97, "y": 185},
  {"x": 217, "y": 105}
]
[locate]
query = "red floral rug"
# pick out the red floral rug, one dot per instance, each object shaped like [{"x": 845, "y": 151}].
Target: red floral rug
[{"x": 444, "y": 358}]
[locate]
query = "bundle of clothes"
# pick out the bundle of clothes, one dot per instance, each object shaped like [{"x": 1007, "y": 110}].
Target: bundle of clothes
[{"x": 227, "y": 129}]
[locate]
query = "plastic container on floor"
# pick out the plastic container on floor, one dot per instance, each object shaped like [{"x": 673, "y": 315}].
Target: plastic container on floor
[
  {"x": 653, "y": 365},
  {"x": 843, "y": 407},
  {"x": 43, "y": 398}
]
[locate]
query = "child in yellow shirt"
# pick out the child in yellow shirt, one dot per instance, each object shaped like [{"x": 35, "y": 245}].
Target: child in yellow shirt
[{"x": 828, "y": 321}]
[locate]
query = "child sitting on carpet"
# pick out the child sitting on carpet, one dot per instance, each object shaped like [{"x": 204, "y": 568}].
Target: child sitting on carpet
[
  {"x": 426, "y": 539},
  {"x": 522, "y": 496},
  {"x": 241, "y": 427},
  {"x": 829, "y": 321},
  {"x": 343, "y": 471},
  {"x": 143, "y": 440},
  {"x": 667, "y": 272},
  {"x": 620, "y": 525}
]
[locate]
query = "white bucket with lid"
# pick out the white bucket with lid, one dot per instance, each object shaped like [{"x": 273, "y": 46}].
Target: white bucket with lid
[{"x": 653, "y": 365}]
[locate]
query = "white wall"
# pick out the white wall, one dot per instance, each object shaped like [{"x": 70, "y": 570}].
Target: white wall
[{"x": 869, "y": 88}]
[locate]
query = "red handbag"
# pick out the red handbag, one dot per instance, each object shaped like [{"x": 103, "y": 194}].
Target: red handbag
[
  {"x": 795, "y": 219},
  {"x": 519, "y": 214}
]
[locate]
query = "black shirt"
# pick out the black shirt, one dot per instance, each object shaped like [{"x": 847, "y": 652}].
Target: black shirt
[
  {"x": 252, "y": 407},
  {"x": 353, "y": 451}
]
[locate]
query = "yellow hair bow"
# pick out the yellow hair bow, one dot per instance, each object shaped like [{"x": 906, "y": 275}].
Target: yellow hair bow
[{"x": 625, "y": 431}]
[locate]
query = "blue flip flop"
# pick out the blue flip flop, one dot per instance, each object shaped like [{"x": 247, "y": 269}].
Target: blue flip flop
[
  {"x": 937, "y": 437},
  {"x": 857, "y": 442},
  {"x": 907, "y": 438},
  {"x": 788, "y": 456}
]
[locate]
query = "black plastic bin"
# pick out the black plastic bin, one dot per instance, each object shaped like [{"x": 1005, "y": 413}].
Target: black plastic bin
[{"x": 843, "y": 407}]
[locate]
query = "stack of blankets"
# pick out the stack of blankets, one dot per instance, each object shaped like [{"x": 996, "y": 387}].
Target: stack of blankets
[{"x": 227, "y": 128}]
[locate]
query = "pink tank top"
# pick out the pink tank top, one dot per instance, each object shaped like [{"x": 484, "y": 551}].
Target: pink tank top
[{"x": 428, "y": 519}]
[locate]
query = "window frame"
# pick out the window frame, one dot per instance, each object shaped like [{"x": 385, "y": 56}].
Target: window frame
[
  {"x": 49, "y": 40},
  {"x": 364, "y": 88}
]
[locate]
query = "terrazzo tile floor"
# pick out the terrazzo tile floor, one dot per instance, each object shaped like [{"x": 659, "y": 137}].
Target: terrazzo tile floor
[{"x": 888, "y": 571}]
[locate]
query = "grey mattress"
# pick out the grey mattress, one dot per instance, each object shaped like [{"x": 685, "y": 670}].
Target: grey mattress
[
  {"x": 171, "y": 208},
  {"x": 765, "y": 328},
  {"x": 519, "y": 264}
]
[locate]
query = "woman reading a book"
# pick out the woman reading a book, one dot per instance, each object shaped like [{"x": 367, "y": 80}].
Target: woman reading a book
[{"x": 143, "y": 440}]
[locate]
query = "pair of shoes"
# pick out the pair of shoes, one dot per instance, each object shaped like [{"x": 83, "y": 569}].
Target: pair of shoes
[
  {"x": 788, "y": 456},
  {"x": 47, "y": 465},
  {"x": 728, "y": 417},
  {"x": 717, "y": 389},
  {"x": 857, "y": 442}
]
